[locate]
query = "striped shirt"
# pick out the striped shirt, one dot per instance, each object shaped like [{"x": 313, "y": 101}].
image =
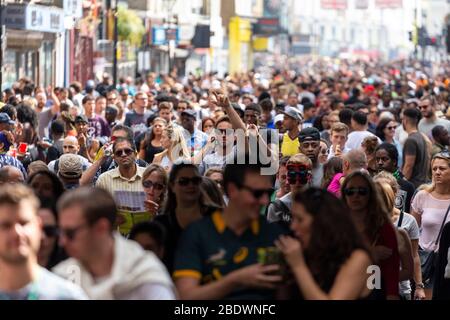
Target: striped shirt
[
  {"x": 113, "y": 181},
  {"x": 7, "y": 160}
]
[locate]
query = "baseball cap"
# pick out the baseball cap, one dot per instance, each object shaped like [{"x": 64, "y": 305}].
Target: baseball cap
[
  {"x": 70, "y": 166},
  {"x": 293, "y": 113},
  {"x": 4, "y": 118},
  {"x": 310, "y": 133},
  {"x": 81, "y": 118},
  {"x": 189, "y": 112},
  {"x": 278, "y": 118}
]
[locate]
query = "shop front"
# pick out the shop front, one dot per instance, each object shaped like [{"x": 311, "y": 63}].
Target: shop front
[{"x": 32, "y": 36}]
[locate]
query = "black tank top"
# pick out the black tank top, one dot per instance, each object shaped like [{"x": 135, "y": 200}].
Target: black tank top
[{"x": 150, "y": 152}]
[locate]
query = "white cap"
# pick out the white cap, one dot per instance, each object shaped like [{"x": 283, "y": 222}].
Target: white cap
[{"x": 278, "y": 117}]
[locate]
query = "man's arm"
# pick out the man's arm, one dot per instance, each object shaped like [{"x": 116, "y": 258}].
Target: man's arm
[
  {"x": 408, "y": 165},
  {"x": 56, "y": 103},
  {"x": 253, "y": 276},
  {"x": 409, "y": 158}
]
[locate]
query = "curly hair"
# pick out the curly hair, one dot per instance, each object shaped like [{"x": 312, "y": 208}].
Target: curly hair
[{"x": 334, "y": 236}]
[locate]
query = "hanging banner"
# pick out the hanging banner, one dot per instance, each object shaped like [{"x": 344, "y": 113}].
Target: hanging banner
[
  {"x": 334, "y": 4},
  {"x": 389, "y": 4},
  {"x": 361, "y": 4}
]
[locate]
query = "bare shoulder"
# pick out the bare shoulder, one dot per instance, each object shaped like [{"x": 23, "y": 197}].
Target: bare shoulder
[{"x": 359, "y": 257}]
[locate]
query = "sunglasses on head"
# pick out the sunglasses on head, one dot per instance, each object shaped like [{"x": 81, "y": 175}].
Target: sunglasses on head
[
  {"x": 50, "y": 231},
  {"x": 149, "y": 184},
  {"x": 185, "y": 181},
  {"x": 126, "y": 152},
  {"x": 360, "y": 191}
]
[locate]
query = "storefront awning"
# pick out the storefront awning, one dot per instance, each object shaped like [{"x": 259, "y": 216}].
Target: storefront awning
[{"x": 23, "y": 40}]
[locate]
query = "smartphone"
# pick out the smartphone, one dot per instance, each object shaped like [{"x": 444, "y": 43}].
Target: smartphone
[{"x": 270, "y": 256}]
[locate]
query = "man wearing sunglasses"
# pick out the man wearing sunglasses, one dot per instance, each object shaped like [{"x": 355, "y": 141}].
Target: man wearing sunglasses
[
  {"x": 427, "y": 107},
  {"x": 217, "y": 255},
  {"x": 107, "y": 266},
  {"x": 21, "y": 278},
  {"x": 299, "y": 176},
  {"x": 223, "y": 146},
  {"x": 124, "y": 183}
]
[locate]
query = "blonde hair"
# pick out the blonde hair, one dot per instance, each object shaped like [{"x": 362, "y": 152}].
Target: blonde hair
[
  {"x": 300, "y": 158},
  {"x": 339, "y": 127},
  {"x": 387, "y": 194},
  {"x": 178, "y": 145},
  {"x": 432, "y": 186},
  {"x": 389, "y": 178}
]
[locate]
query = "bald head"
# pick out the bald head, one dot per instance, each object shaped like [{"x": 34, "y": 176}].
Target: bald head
[
  {"x": 70, "y": 145},
  {"x": 10, "y": 174},
  {"x": 354, "y": 160}
]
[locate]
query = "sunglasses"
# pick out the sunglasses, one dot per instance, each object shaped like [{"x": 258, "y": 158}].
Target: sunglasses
[
  {"x": 225, "y": 132},
  {"x": 423, "y": 107},
  {"x": 149, "y": 184},
  {"x": 258, "y": 193},
  {"x": 360, "y": 191},
  {"x": 195, "y": 181},
  {"x": 391, "y": 128},
  {"x": 126, "y": 152},
  {"x": 50, "y": 231},
  {"x": 71, "y": 233},
  {"x": 444, "y": 154}
]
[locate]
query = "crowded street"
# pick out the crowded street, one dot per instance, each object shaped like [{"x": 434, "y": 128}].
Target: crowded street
[{"x": 144, "y": 167}]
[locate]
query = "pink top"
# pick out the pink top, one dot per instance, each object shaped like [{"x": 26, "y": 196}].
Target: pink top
[
  {"x": 335, "y": 185},
  {"x": 432, "y": 212}
]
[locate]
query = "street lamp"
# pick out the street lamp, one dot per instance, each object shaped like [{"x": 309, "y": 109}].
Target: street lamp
[
  {"x": 170, "y": 32},
  {"x": 115, "y": 40}
]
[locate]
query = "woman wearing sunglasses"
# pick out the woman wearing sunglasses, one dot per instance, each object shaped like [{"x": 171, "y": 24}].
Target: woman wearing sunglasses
[
  {"x": 321, "y": 224},
  {"x": 50, "y": 253},
  {"x": 430, "y": 206},
  {"x": 372, "y": 221},
  {"x": 186, "y": 202},
  {"x": 154, "y": 181},
  {"x": 174, "y": 146},
  {"x": 386, "y": 132}
]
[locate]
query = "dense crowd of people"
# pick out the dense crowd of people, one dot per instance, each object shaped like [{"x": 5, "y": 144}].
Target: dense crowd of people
[{"x": 330, "y": 180}]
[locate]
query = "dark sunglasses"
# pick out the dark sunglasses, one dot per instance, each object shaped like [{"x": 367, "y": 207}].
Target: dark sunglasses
[
  {"x": 258, "y": 193},
  {"x": 127, "y": 152},
  {"x": 185, "y": 181},
  {"x": 360, "y": 191},
  {"x": 391, "y": 128},
  {"x": 50, "y": 231},
  {"x": 443, "y": 154},
  {"x": 225, "y": 132},
  {"x": 71, "y": 233},
  {"x": 149, "y": 184}
]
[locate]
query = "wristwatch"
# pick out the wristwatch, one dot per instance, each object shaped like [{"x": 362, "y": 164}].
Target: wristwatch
[{"x": 420, "y": 286}]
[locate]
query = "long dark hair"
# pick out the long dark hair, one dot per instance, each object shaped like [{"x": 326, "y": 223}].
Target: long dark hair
[
  {"x": 334, "y": 236},
  {"x": 171, "y": 199},
  {"x": 377, "y": 214},
  {"x": 379, "y": 131},
  {"x": 330, "y": 169},
  {"x": 58, "y": 187}
]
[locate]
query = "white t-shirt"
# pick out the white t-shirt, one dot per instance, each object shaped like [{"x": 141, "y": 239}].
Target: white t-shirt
[{"x": 355, "y": 139}]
